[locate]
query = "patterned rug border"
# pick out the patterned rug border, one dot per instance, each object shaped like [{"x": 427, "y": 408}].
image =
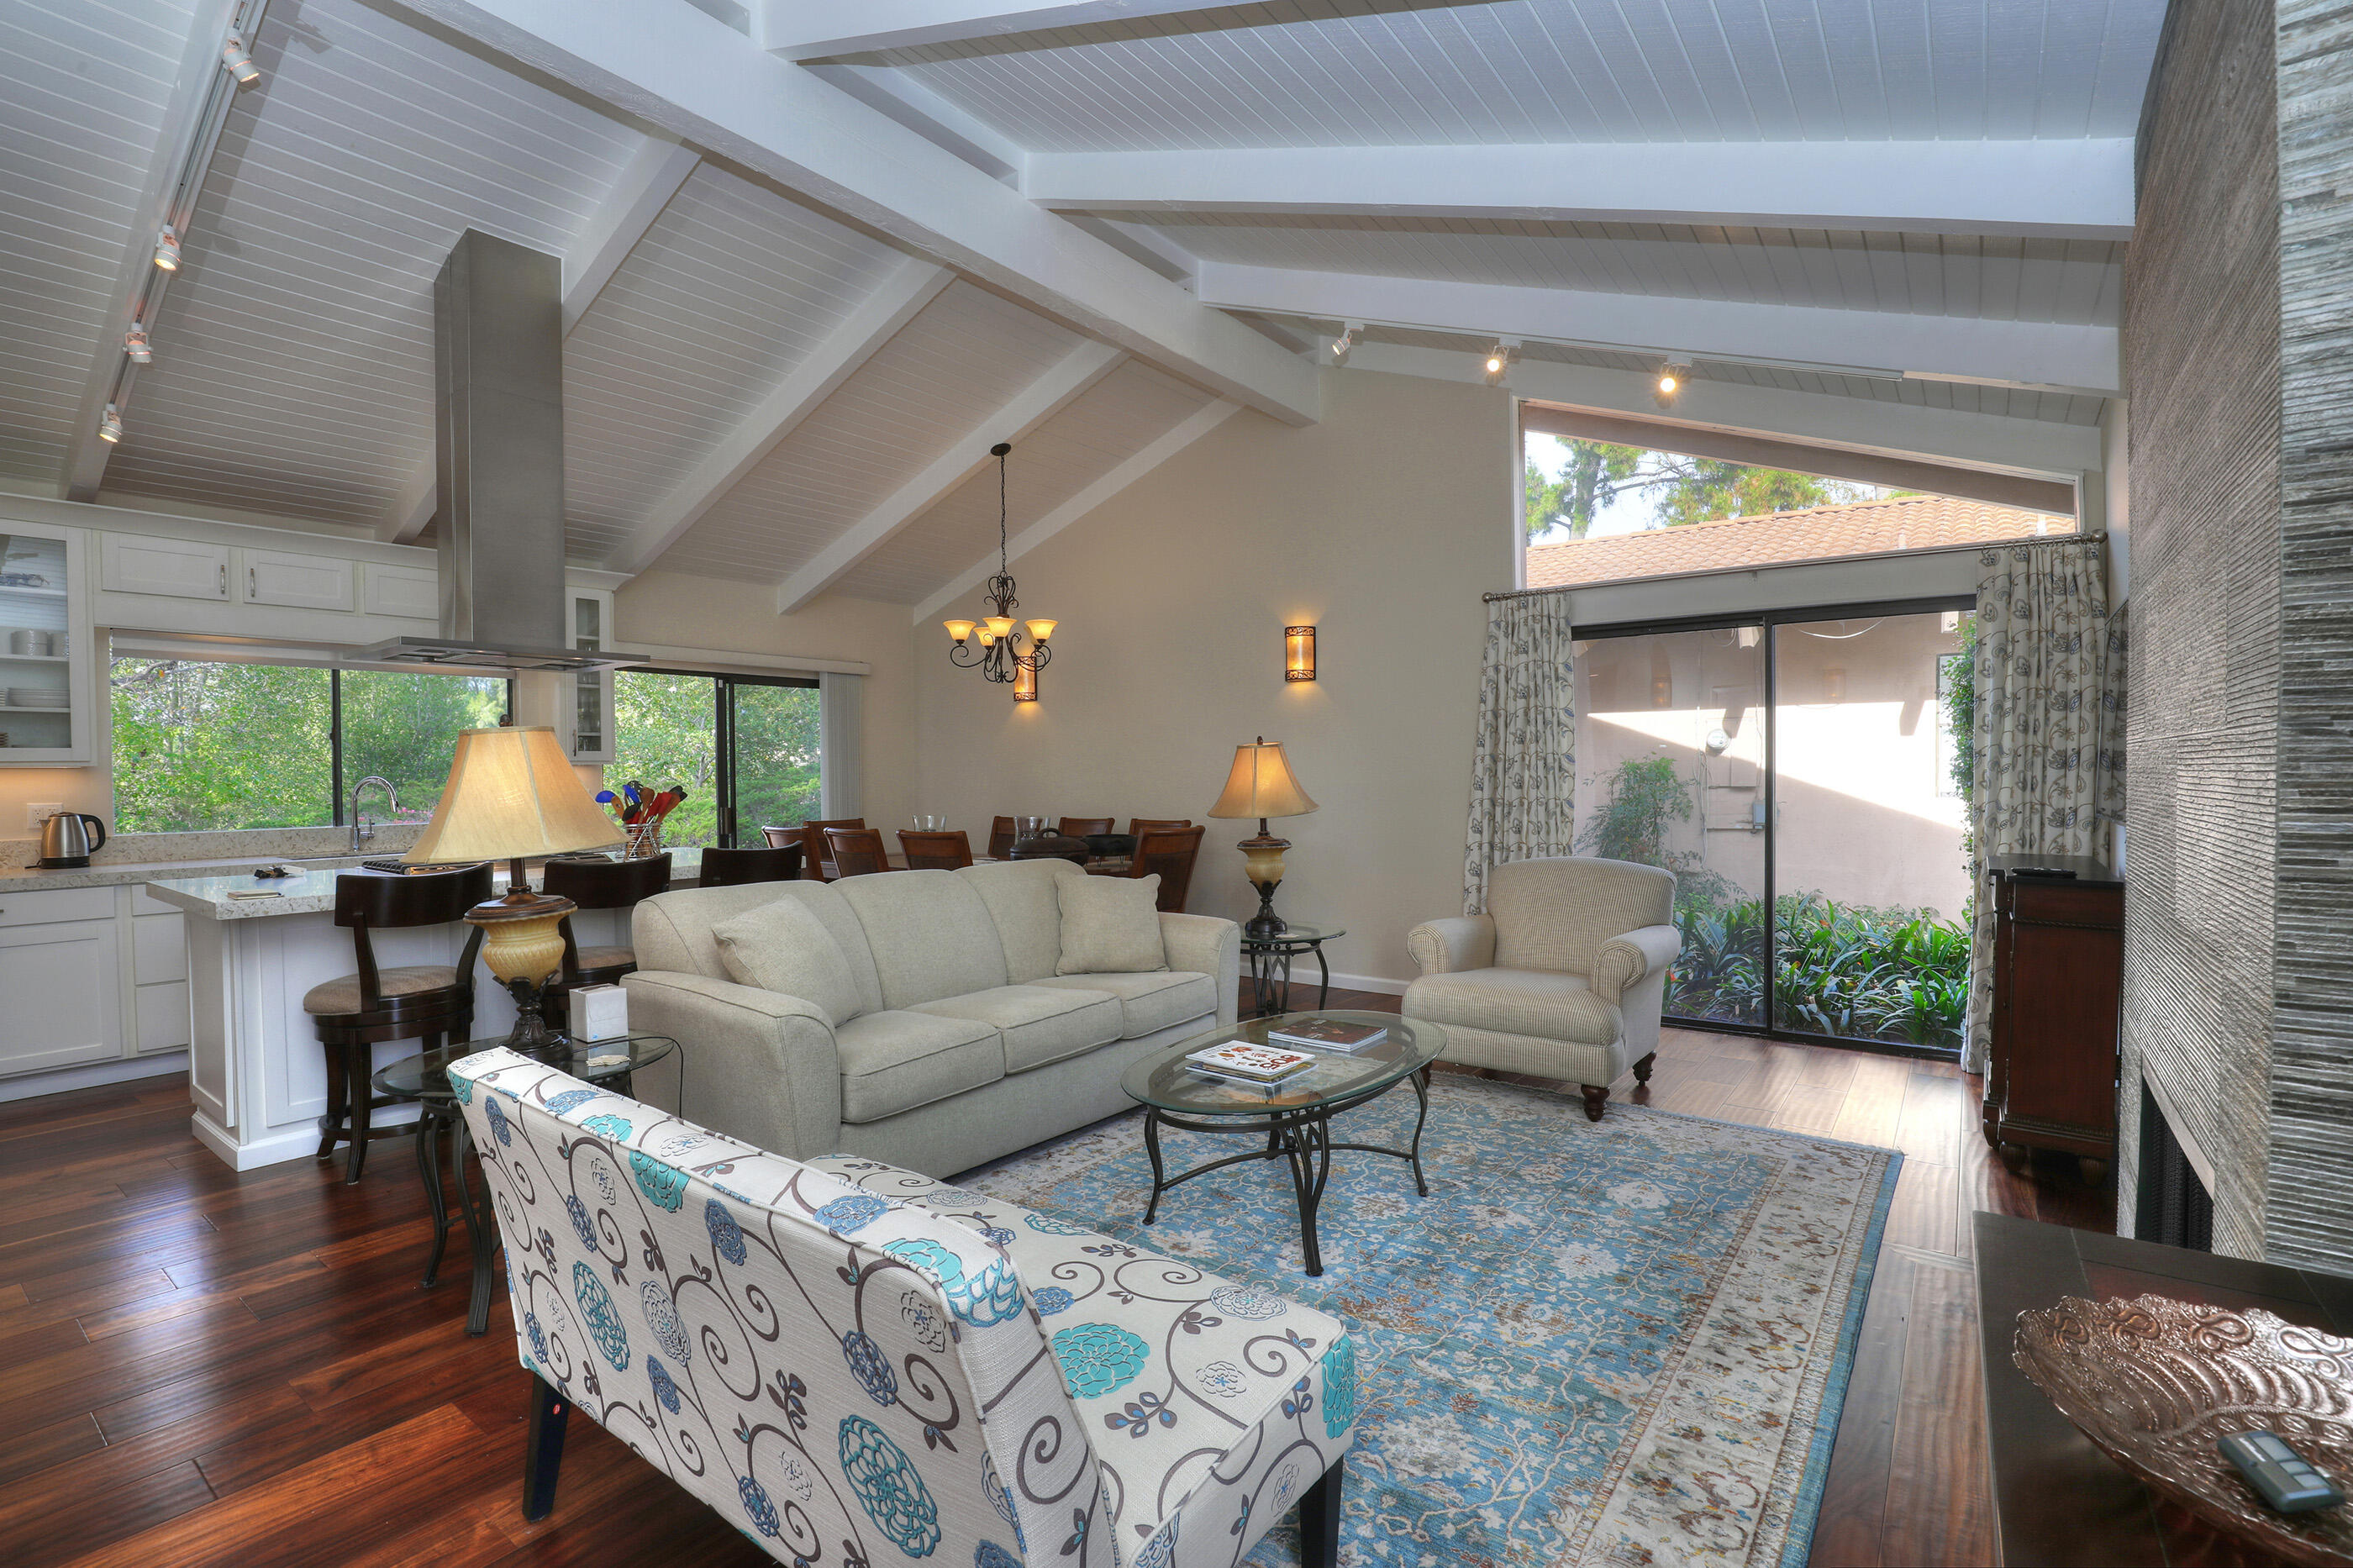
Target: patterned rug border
[{"x": 1806, "y": 1505}]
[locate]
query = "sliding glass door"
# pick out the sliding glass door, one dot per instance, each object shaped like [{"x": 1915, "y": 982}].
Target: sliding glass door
[
  {"x": 744, "y": 748},
  {"x": 1797, "y": 772}
]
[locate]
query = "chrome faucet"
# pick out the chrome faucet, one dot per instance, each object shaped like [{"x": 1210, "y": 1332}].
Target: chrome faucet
[{"x": 361, "y": 831}]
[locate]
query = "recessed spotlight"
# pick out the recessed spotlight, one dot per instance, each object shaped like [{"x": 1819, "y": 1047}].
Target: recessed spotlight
[
  {"x": 167, "y": 249},
  {"x": 1499, "y": 358},
  {"x": 136, "y": 344},
  {"x": 110, "y": 425},
  {"x": 240, "y": 64}
]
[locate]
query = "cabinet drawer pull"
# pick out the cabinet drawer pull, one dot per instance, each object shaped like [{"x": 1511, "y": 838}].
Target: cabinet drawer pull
[
  {"x": 224, "y": 579},
  {"x": 253, "y": 582}
]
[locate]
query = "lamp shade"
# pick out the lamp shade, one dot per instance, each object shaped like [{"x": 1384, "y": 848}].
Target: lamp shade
[
  {"x": 1262, "y": 784},
  {"x": 511, "y": 794}
]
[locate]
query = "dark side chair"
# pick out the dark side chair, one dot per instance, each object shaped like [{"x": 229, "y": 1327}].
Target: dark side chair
[
  {"x": 1168, "y": 853},
  {"x": 1082, "y": 826},
  {"x": 733, "y": 868},
  {"x": 1137, "y": 826},
  {"x": 429, "y": 1003},
  {"x": 856, "y": 852},
  {"x": 1000, "y": 838},
  {"x": 928, "y": 851},
  {"x": 596, "y": 885},
  {"x": 817, "y": 861}
]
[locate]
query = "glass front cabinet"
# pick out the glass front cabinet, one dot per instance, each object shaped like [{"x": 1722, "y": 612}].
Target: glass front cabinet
[
  {"x": 589, "y": 713},
  {"x": 45, "y": 651}
]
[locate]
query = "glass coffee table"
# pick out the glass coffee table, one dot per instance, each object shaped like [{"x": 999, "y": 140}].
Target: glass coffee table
[
  {"x": 425, "y": 1079},
  {"x": 1293, "y": 1116}
]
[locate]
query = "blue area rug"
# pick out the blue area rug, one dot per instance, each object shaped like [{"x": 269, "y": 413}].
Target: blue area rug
[{"x": 1625, "y": 1342}]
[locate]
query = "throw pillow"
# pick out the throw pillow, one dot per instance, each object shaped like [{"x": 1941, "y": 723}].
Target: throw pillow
[
  {"x": 784, "y": 948},
  {"x": 1110, "y": 925}
]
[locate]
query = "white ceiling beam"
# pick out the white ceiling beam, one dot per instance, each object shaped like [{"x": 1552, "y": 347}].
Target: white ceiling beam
[
  {"x": 2070, "y": 189},
  {"x": 703, "y": 82},
  {"x": 876, "y": 320},
  {"x": 1144, "y": 461},
  {"x": 190, "y": 128},
  {"x": 1061, "y": 383},
  {"x": 946, "y": 125},
  {"x": 1885, "y": 343},
  {"x": 812, "y": 29},
  {"x": 652, "y": 176}
]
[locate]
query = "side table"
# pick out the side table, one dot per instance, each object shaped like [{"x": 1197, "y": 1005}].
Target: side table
[
  {"x": 1270, "y": 957},
  {"x": 425, "y": 1079}
]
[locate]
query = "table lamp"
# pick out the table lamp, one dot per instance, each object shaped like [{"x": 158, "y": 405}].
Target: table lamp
[
  {"x": 1261, "y": 786},
  {"x": 513, "y": 795}
]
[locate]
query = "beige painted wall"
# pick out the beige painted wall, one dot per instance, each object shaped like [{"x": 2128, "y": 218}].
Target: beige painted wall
[
  {"x": 675, "y": 610},
  {"x": 1382, "y": 525}
]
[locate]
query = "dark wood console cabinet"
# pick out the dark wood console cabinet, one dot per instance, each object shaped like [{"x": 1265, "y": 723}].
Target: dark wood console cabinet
[{"x": 2058, "y": 978}]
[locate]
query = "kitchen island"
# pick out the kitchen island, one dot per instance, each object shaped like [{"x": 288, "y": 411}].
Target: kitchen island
[{"x": 257, "y": 1074}]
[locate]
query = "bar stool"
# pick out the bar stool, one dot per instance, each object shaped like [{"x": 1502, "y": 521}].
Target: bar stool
[
  {"x": 733, "y": 868},
  {"x": 596, "y": 885},
  {"x": 427, "y": 1002}
]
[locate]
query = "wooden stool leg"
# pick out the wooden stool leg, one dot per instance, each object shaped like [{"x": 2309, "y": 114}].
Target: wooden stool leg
[
  {"x": 330, "y": 1125},
  {"x": 357, "y": 1059}
]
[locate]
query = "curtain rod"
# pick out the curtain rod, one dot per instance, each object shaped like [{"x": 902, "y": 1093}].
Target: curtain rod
[{"x": 2095, "y": 537}]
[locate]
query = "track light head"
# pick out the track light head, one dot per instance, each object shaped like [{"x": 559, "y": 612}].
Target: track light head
[
  {"x": 136, "y": 345},
  {"x": 239, "y": 63},
  {"x": 1346, "y": 341},
  {"x": 110, "y": 425},
  {"x": 1672, "y": 378},
  {"x": 1499, "y": 358},
  {"x": 167, "y": 249}
]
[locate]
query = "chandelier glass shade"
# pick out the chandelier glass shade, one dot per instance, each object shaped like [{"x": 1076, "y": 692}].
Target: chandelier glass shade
[{"x": 1004, "y": 650}]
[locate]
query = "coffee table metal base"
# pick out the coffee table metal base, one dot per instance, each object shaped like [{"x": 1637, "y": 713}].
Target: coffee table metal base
[{"x": 1303, "y": 1136}]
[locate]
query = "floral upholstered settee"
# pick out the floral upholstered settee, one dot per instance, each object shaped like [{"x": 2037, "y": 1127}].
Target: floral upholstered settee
[{"x": 853, "y": 1362}]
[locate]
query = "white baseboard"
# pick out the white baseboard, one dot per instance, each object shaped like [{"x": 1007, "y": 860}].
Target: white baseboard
[
  {"x": 283, "y": 1148},
  {"x": 1305, "y": 974},
  {"x": 91, "y": 1074}
]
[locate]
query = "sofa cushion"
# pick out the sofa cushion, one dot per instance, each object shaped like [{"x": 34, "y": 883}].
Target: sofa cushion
[
  {"x": 893, "y": 1061},
  {"x": 1515, "y": 1002},
  {"x": 1110, "y": 925},
  {"x": 1039, "y": 1025},
  {"x": 1149, "y": 1001},
  {"x": 782, "y": 947},
  {"x": 1197, "y": 1391},
  {"x": 1020, "y": 898},
  {"x": 672, "y": 930},
  {"x": 930, "y": 933}
]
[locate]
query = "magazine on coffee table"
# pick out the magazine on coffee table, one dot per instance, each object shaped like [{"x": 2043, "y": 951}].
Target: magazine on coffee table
[
  {"x": 1241, "y": 1059},
  {"x": 1328, "y": 1035}
]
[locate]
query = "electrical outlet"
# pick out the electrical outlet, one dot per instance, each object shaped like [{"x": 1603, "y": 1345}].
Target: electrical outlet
[{"x": 39, "y": 811}]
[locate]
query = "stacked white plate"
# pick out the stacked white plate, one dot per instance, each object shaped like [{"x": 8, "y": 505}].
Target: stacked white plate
[{"x": 36, "y": 696}]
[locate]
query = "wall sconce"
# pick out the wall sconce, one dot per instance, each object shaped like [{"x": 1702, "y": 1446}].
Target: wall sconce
[
  {"x": 1024, "y": 682},
  {"x": 1299, "y": 653},
  {"x": 1834, "y": 685},
  {"x": 1662, "y": 691}
]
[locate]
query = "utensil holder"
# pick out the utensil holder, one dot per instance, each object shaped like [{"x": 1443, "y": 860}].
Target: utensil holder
[{"x": 642, "y": 841}]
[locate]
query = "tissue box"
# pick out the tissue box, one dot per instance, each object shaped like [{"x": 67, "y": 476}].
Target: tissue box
[{"x": 599, "y": 1012}]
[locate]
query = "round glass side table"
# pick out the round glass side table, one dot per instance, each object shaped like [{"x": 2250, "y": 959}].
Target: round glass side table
[
  {"x": 425, "y": 1079},
  {"x": 1270, "y": 957}
]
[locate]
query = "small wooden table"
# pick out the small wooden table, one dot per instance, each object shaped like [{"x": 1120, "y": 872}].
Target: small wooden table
[{"x": 2059, "y": 1502}]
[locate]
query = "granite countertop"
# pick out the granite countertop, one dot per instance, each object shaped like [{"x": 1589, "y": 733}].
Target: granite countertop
[
  {"x": 312, "y": 891},
  {"x": 18, "y": 877}
]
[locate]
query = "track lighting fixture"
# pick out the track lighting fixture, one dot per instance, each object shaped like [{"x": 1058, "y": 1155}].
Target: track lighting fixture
[
  {"x": 1499, "y": 358},
  {"x": 110, "y": 425},
  {"x": 1672, "y": 377},
  {"x": 167, "y": 249},
  {"x": 239, "y": 63},
  {"x": 1346, "y": 341},
  {"x": 135, "y": 346}
]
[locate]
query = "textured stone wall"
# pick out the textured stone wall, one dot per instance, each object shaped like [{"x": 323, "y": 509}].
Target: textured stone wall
[
  {"x": 2202, "y": 323},
  {"x": 2309, "y": 1215}
]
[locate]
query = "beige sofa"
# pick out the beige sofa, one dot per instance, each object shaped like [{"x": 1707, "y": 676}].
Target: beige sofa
[
  {"x": 1563, "y": 977},
  {"x": 965, "y": 1045}
]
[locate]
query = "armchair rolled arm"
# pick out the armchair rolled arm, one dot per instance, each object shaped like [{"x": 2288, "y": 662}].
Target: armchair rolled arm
[
  {"x": 1624, "y": 959},
  {"x": 1457, "y": 943},
  {"x": 756, "y": 1065},
  {"x": 1207, "y": 945}
]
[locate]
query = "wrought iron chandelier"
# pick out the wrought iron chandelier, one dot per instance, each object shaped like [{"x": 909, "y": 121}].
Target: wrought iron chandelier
[{"x": 994, "y": 642}]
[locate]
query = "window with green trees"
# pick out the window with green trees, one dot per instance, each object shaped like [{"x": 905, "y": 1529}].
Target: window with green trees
[
  {"x": 201, "y": 746},
  {"x": 744, "y": 749}
]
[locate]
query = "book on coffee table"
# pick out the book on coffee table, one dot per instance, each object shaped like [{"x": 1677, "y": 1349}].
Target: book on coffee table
[
  {"x": 1328, "y": 1035},
  {"x": 1241, "y": 1061}
]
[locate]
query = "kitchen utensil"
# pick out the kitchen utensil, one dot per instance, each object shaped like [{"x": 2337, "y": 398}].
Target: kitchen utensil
[{"x": 66, "y": 841}]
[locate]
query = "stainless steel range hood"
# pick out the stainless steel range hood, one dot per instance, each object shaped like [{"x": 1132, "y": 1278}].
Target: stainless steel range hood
[{"x": 497, "y": 361}]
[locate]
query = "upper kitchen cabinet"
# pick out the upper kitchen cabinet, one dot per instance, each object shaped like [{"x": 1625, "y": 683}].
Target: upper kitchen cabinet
[
  {"x": 176, "y": 568},
  {"x": 588, "y": 716},
  {"x": 46, "y": 649},
  {"x": 296, "y": 581}
]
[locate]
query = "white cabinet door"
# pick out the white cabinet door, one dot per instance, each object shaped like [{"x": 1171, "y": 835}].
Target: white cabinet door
[
  {"x": 408, "y": 591},
  {"x": 65, "y": 997},
  {"x": 179, "y": 568},
  {"x": 300, "y": 582},
  {"x": 587, "y": 718}
]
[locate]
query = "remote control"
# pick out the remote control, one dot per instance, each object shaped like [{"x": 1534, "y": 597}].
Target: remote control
[{"x": 2286, "y": 1480}]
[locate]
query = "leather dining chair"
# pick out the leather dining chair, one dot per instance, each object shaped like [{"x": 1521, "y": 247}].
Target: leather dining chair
[
  {"x": 778, "y": 838},
  {"x": 1000, "y": 838},
  {"x": 1080, "y": 827},
  {"x": 816, "y": 858},
  {"x": 1137, "y": 826},
  {"x": 934, "y": 851},
  {"x": 596, "y": 885},
  {"x": 735, "y": 867},
  {"x": 1168, "y": 853},
  {"x": 856, "y": 852}
]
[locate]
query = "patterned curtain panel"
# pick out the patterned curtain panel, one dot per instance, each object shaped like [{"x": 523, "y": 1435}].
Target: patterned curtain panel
[
  {"x": 1523, "y": 763},
  {"x": 2048, "y": 743}
]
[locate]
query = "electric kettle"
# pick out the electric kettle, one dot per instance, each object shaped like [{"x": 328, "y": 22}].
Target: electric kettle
[{"x": 66, "y": 842}]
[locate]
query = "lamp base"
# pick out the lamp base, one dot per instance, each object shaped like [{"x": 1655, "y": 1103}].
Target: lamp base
[
  {"x": 522, "y": 947},
  {"x": 531, "y": 1036},
  {"x": 1263, "y": 865},
  {"x": 1266, "y": 923}
]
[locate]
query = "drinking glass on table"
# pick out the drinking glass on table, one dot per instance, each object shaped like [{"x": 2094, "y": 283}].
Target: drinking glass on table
[
  {"x": 925, "y": 822},
  {"x": 1028, "y": 828}
]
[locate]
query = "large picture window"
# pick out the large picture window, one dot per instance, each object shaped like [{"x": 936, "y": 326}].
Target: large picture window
[
  {"x": 201, "y": 746},
  {"x": 745, "y": 748}
]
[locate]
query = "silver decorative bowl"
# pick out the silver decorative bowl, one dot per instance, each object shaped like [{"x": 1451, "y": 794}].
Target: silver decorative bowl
[{"x": 2154, "y": 1382}]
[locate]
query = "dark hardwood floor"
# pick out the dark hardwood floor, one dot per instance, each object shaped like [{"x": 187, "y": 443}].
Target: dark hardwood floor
[{"x": 201, "y": 1367}]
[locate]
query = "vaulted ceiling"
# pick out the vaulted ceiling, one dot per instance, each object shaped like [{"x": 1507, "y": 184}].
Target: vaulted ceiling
[{"x": 812, "y": 272}]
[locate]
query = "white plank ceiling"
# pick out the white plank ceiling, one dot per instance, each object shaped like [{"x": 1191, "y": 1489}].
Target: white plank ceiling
[{"x": 293, "y": 370}]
